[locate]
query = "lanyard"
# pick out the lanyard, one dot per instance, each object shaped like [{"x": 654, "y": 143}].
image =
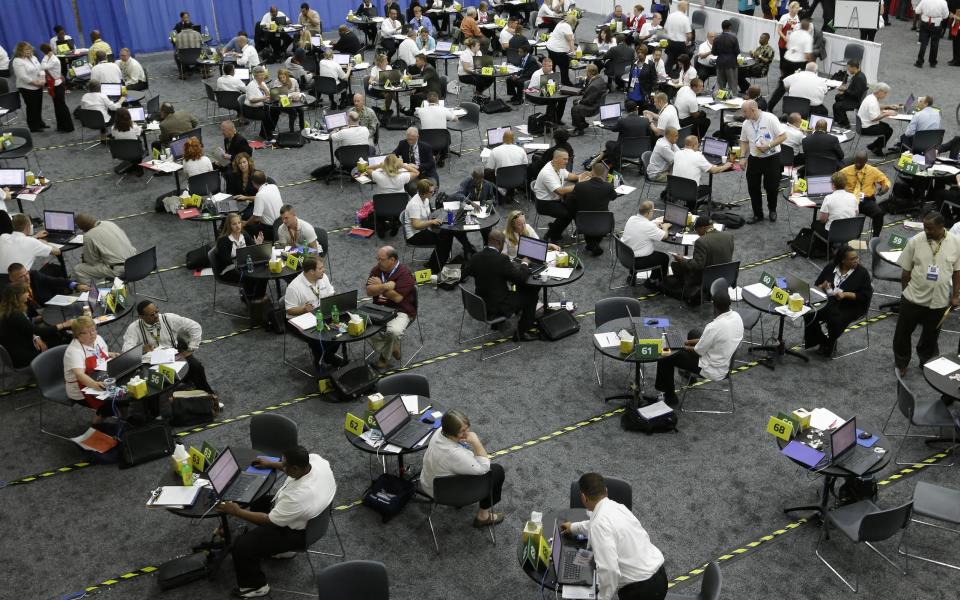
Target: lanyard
[
  {"x": 937, "y": 251},
  {"x": 839, "y": 278},
  {"x": 387, "y": 278}
]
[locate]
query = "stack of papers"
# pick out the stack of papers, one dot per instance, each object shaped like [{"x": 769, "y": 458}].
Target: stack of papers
[
  {"x": 558, "y": 272},
  {"x": 758, "y": 289},
  {"x": 802, "y": 202},
  {"x": 824, "y": 419},
  {"x": 175, "y": 496},
  {"x": 942, "y": 366},
  {"x": 162, "y": 356},
  {"x": 536, "y": 146},
  {"x": 688, "y": 239},
  {"x": 362, "y": 179},
  {"x": 59, "y": 300},
  {"x": 736, "y": 293},
  {"x": 891, "y": 255},
  {"x": 411, "y": 403},
  {"x": 623, "y": 190},
  {"x": 305, "y": 321},
  {"x": 607, "y": 340},
  {"x": 654, "y": 410},
  {"x": 785, "y": 310},
  {"x": 176, "y": 365}
]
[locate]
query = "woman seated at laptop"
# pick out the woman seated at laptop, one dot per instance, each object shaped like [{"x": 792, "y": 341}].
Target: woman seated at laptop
[
  {"x": 123, "y": 126},
  {"x": 85, "y": 355},
  {"x": 18, "y": 333},
  {"x": 847, "y": 284},
  {"x": 517, "y": 226},
  {"x": 194, "y": 162},
  {"x": 290, "y": 87},
  {"x": 239, "y": 182},
  {"x": 380, "y": 63},
  {"x": 232, "y": 237}
]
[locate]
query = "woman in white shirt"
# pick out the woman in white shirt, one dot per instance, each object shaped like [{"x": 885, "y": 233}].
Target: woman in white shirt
[
  {"x": 30, "y": 82},
  {"x": 256, "y": 103},
  {"x": 517, "y": 226},
  {"x": 232, "y": 237},
  {"x": 84, "y": 356},
  {"x": 605, "y": 40},
  {"x": 559, "y": 46},
  {"x": 391, "y": 177},
  {"x": 51, "y": 66},
  {"x": 380, "y": 63},
  {"x": 4, "y": 63},
  {"x": 289, "y": 87},
  {"x": 785, "y": 24},
  {"x": 687, "y": 72},
  {"x": 194, "y": 162},
  {"x": 468, "y": 74},
  {"x": 388, "y": 28},
  {"x": 123, "y": 126}
]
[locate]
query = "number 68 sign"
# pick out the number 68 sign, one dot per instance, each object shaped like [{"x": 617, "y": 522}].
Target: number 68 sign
[{"x": 780, "y": 428}]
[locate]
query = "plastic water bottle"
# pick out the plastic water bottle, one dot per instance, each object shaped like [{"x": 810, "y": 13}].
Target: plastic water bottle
[
  {"x": 206, "y": 32},
  {"x": 563, "y": 299},
  {"x": 319, "y": 315},
  {"x": 335, "y": 314},
  {"x": 249, "y": 264}
]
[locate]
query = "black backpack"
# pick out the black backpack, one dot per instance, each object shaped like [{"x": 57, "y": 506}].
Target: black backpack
[
  {"x": 632, "y": 421},
  {"x": 728, "y": 219},
  {"x": 536, "y": 123}
]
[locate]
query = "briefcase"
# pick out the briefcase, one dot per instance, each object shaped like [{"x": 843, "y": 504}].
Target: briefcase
[
  {"x": 558, "y": 324},
  {"x": 146, "y": 443},
  {"x": 290, "y": 139},
  {"x": 183, "y": 570}
]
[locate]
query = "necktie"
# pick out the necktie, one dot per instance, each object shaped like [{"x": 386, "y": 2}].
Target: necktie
[{"x": 415, "y": 156}]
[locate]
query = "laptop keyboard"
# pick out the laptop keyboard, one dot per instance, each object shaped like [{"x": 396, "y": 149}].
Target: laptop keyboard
[
  {"x": 409, "y": 435},
  {"x": 571, "y": 570},
  {"x": 242, "y": 484},
  {"x": 860, "y": 462}
]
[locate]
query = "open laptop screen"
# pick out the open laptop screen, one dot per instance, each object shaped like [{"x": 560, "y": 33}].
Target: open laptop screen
[
  {"x": 532, "y": 248},
  {"x": 13, "y": 177},
  {"x": 55, "y": 220},
  {"x": 495, "y": 136},
  {"x": 676, "y": 215},
  {"x": 137, "y": 113},
  {"x": 241, "y": 73},
  {"x": 376, "y": 160},
  {"x": 341, "y": 59},
  {"x": 176, "y": 147},
  {"x": 843, "y": 438},
  {"x": 335, "y": 121},
  {"x": 392, "y": 416},
  {"x": 443, "y": 47},
  {"x": 814, "y": 119},
  {"x": 222, "y": 471},
  {"x": 111, "y": 89},
  {"x": 819, "y": 186},
  {"x": 609, "y": 112},
  {"x": 715, "y": 147}
]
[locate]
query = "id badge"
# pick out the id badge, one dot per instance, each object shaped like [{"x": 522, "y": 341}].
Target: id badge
[{"x": 933, "y": 273}]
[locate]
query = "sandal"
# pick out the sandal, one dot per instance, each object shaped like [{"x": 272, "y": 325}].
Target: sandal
[{"x": 494, "y": 519}]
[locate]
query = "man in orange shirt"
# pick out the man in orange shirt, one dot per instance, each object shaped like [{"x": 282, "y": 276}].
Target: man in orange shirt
[{"x": 471, "y": 29}]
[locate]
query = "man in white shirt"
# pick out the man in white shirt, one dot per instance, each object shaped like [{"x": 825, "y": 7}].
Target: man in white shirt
[
  {"x": 420, "y": 229},
  {"x": 266, "y": 207},
  {"x": 640, "y": 233},
  {"x": 629, "y": 566},
  {"x": 691, "y": 164},
  {"x": 808, "y": 84},
  {"x": 455, "y": 450},
  {"x": 661, "y": 159},
  {"x": 433, "y": 115},
  {"x": 679, "y": 33},
  {"x": 841, "y": 204},
  {"x": 795, "y": 136},
  {"x": 760, "y": 140},
  {"x": 507, "y": 154},
  {"x": 689, "y": 111},
  {"x": 330, "y": 69},
  {"x": 407, "y": 51},
  {"x": 649, "y": 28},
  {"x": 707, "y": 353},
  {"x": 134, "y": 77},
  {"x": 281, "y": 521},
  {"x": 247, "y": 57},
  {"x": 508, "y": 32},
  {"x": 931, "y": 15},
  {"x": 96, "y": 100},
  {"x": 302, "y": 296},
  {"x": 228, "y": 82},
  {"x": 553, "y": 183},
  {"x": 270, "y": 16},
  {"x": 104, "y": 71},
  {"x": 872, "y": 113},
  {"x": 295, "y": 231},
  {"x": 798, "y": 53},
  {"x": 353, "y": 134},
  {"x": 666, "y": 115},
  {"x": 22, "y": 246}
]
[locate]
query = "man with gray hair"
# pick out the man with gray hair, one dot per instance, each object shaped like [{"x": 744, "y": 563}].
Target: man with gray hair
[
  {"x": 872, "y": 113},
  {"x": 353, "y": 134},
  {"x": 246, "y": 56},
  {"x": 368, "y": 118},
  {"x": 420, "y": 154},
  {"x": 134, "y": 77},
  {"x": 808, "y": 84},
  {"x": 760, "y": 140},
  {"x": 392, "y": 285},
  {"x": 330, "y": 69}
]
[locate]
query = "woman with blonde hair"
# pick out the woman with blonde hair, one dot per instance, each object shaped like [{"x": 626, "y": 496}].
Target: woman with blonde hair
[
  {"x": 515, "y": 227},
  {"x": 194, "y": 162},
  {"x": 304, "y": 41},
  {"x": 391, "y": 177},
  {"x": 84, "y": 357},
  {"x": 380, "y": 63},
  {"x": 30, "y": 82},
  {"x": 290, "y": 87}
]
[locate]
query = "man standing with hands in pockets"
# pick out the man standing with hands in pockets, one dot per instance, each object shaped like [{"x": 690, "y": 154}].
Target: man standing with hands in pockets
[{"x": 761, "y": 135}]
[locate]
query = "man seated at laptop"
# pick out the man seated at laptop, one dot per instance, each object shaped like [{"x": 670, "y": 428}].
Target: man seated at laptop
[
  {"x": 458, "y": 451},
  {"x": 303, "y": 295},
  {"x": 795, "y": 137},
  {"x": 391, "y": 284},
  {"x": 629, "y": 125},
  {"x": 706, "y": 352},
  {"x": 494, "y": 276},
  {"x": 866, "y": 182},
  {"x": 629, "y": 566},
  {"x": 42, "y": 286},
  {"x": 847, "y": 283},
  {"x": 154, "y": 330},
  {"x": 712, "y": 247},
  {"x": 840, "y": 204},
  {"x": 23, "y": 245},
  {"x": 691, "y": 164},
  {"x": 281, "y": 520},
  {"x": 640, "y": 234}
]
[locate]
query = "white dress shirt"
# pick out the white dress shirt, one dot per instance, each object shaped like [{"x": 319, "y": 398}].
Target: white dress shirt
[
  {"x": 267, "y": 203},
  {"x": 806, "y": 84},
  {"x": 690, "y": 164},
  {"x": 621, "y": 547},
  {"x": 51, "y": 65},
  {"x": 268, "y": 18},
  {"x": 557, "y": 42},
  {"x": 434, "y": 116},
  {"x": 300, "y": 291},
  {"x": 668, "y": 118},
  {"x": 75, "y": 357},
  {"x": 230, "y": 83},
  {"x": 19, "y": 248},
  {"x": 764, "y": 130},
  {"x": 932, "y": 12},
  {"x": 446, "y": 457},
  {"x": 640, "y": 234},
  {"x": 870, "y": 112},
  {"x": 799, "y": 44},
  {"x": 131, "y": 134},
  {"x": 132, "y": 71},
  {"x": 100, "y": 102},
  {"x": 507, "y": 155},
  {"x": 355, "y": 135},
  {"x": 689, "y": 75},
  {"x": 717, "y": 344},
  {"x": 465, "y": 64},
  {"x": 299, "y": 500},
  {"x": 255, "y": 92},
  {"x": 389, "y": 27},
  {"x": 197, "y": 167},
  {"x": 794, "y": 138},
  {"x": 4, "y": 59},
  {"x": 661, "y": 159},
  {"x": 685, "y": 102},
  {"x": 548, "y": 181},
  {"x": 303, "y": 235},
  {"x": 164, "y": 334},
  {"x": 841, "y": 204},
  {"x": 248, "y": 57},
  {"x": 417, "y": 208},
  {"x": 329, "y": 68},
  {"x": 928, "y": 118},
  {"x": 704, "y": 50},
  {"x": 535, "y": 78},
  {"x": 408, "y": 51},
  {"x": 106, "y": 72},
  {"x": 28, "y": 70},
  {"x": 677, "y": 26}
]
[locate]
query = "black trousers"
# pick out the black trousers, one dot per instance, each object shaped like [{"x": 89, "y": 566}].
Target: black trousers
[
  {"x": 515, "y": 87},
  {"x": 701, "y": 124},
  {"x": 580, "y": 112},
  {"x": 654, "y": 259},
  {"x": 836, "y": 315},
  {"x": 929, "y": 34},
  {"x": 252, "y": 288},
  {"x": 33, "y": 104},
  {"x": 869, "y": 207},
  {"x": 479, "y": 82},
  {"x": 956, "y": 49},
  {"x": 841, "y": 107},
  {"x": 197, "y": 375},
  {"x": 561, "y": 64},
  {"x": 261, "y": 542},
  {"x": 819, "y": 109},
  {"x": 260, "y": 227},
  {"x": 883, "y": 132},
  {"x": 324, "y": 353},
  {"x": 688, "y": 360},
  {"x": 139, "y": 86},
  {"x": 674, "y": 49},
  {"x": 654, "y": 588},
  {"x": 443, "y": 240},
  {"x": 745, "y": 73},
  {"x": 523, "y": 301},
  {"x": 64, "y": 118},
  {"x": 497, "y": 476},
  {"x": 266, "y": 118},
  {"x": 911, "y": 315},
  {"x": 763, "y": 174},
  {"x": 562, "y": 218}
]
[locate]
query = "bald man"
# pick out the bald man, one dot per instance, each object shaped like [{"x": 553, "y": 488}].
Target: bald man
[{"x": 233, "y": 144}]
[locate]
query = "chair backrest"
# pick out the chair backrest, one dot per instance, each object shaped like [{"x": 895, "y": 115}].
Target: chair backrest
[
  {"x": 906, "y": 401},
  {"x": 10, "y": 101},
  {"x": 681, "y": 190},
  {"x": 729, "y": 271},
  {"x": 4, "y": 85},
  {"x": 511, "y": 177},
  {"x": 796, "y": 104},
  {"x": 91, "y": 119},
  {"x": 735, "y": 26},
  {"x": 310, "y": 63},
  {"x": 404, "y": 383},
  {"x": 390, "y": 206},
  {"x": 926, "y": 139},
  {"x": 608, "y": 309},
  {"x": 711, "y": 583},
  {"x": 844, "y": 230},
  {"x": 273, "y": 433},
  {"x": 354, "y": 580},
  {"x": 854, "y": 51},
  {"x": 127, "y": 150},
  {"x": 859, "y": 125},
  {"x": 884, "y": 524},
  {"x": 474, "y": 305},
  {"x": 228, "y": 99},
  {"x": 323, "y": 239},
  {"x": 277, "y": 224},
  {"x": 325, "y": 85},
  {"x": 645, "y": 159},
  {"x": 438, "y": 139},
  {"x": 139, "y": 266},
  {"x": 317, "y": 527},
  {"x": 211, "y": 95},
  {"x": 618, "y": 490},
  {"x": 624, "y": 254},
  {"x": 348, "y": 156},
  {"x": 698, "y": 19},
  {"x": 189, "y": 56},
  {"x": 634, "y": 147},
  {"x": 595, "y": 222},
  {"x": 816, "y": 164},
  {"x": 47, "y": 370},
  {"x": 153, "y": 105},
  {"x": 461, "y": 490},
  {"x": 473, "y": 113},
  {"x": 205, "y": 184}
]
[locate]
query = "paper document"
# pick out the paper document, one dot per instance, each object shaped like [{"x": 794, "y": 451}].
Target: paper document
[
  {"x": 802, "y": 202},
  {"x": 221, "y": 196},
  {"x": 176, "y": 495},
  {"x": 536, "y": 146},
  {"x": 579, "y": 592},
  {"x": 824, "y": 419},
  {"x": 689, "y": 239},
  {"x": 474, "y": 227},
  {"x": 623, "y": 190},
  {"x": 485, "y": 154},
  {"x": 607, "y": 340},
  {"x": 915, "y": 225},
  {"x": 391, "y": 449},
  {"x": 411, "y": 403},
  {"x": 558, "y": 272},
  {"x": 785, "y": 310},
  {"x": 736, "y": 294},
  {"x": 307, "y": 320},
  {"x": 94, "y": 439},
  {"x": 59, "y": 300},
  {"x": 551, "y": 257},
  {"x": 77, "y": 239},
  {"x": 460, "y": 112},
  {"x": 363, "y": 179},
  {"x": 163, "y": 356},
  {"x": 176, "y": 365},
  {"x": 374, "y": 440},
  {"x": 758, "y": 289},
  {"x": 891, "y": 255},
  {"x": 361, "y": 66},
  {"x": 704, "y": 99},
  {"x": 654, "y": 410},
  {"x": 454, "y": 205},
  {"x": 942, "y": 366}
]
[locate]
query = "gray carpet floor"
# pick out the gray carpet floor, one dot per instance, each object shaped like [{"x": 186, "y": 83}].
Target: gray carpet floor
[{"x": 712, "y": 489}]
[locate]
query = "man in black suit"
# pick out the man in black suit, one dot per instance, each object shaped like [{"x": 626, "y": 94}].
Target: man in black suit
[
  {"x": 414, "y": 152},
  {"x": 589, "y": 103},
  {"x": 593, "y": 194},
  {"x": 43, "y": 287},
  {"x": 233, "y": 144},
  {"x": 631, "y": 124},
  {"x": 528, "y": 64},
  {"x": 616, "y": 60},
  {"x": 494, "y": 274},
  {"x": 850, "y": 94},
  {"x": 430, "y": 77},
  {"x": 821, "y": 143},
  {"x": 348, "y": 43}
]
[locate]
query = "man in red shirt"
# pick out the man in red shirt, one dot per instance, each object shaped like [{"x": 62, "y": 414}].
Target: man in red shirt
[{"x": 391, "y": 284}]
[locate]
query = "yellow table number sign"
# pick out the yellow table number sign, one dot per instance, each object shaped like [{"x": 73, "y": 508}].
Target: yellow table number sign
[
  {"x": 63, "y": 48},
  {"x": 779, "y": 296},
  {"x": 284, "y": 101},
  {"x": 168, "y": 373},
  {"x": 544, "y": 553},
  {"x": 897, "y": 242},
  {"x": 423, "y": 275},
  {"x": 768, "y": 280},
  {"x": 488, "y": 71},
  {"x": 197, "y": 460},
  {"x": 649, "y": 348},
  {"x": 780, "y": 428},
  {"x": 293, "y": 263},
  {"x": 353, "y": 424},
  {"x": 111, "y": 301}
]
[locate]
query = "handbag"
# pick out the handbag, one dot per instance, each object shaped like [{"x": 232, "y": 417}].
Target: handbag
[
  {"x": 388, "y": 495},
  {"x": 190, "y": 408},
  {"x": 198, "y": 258},
  {"x": 146, "y": 443},
  {"x": 558, "y": 324}
]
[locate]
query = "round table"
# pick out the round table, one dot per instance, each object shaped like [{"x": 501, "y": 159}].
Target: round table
[
  {"x": 263, "y": 273},
  {"x": 545, "y": 284},
  {"x": 711, "y": 61},
  {"x": 328, "y": 336},
  {"x": 928, "y": 174},
  {"x": 943, "y": 383},
  {"x": 54, "y": 315},
  {"x": 636, "y": 359},
  {"x": 545, "y": 575},
  {"x": 151, "y": 401},
  {"x": 213, "y": 219},
  {"x": 832, "y": 473},
  {"x": 16, "y": 143},
  {"x": 424, "y": 404},
  {"x": 766, "y": 305},
  {"x": 404, "y": 88},
  {"x": 134, "y": 97},
  {"x": 486, "y": 223}
]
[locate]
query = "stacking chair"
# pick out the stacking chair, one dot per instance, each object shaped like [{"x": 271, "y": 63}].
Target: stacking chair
[
  {"x": 218, "y": 279},
  {"x": 23, "y": 152},
  {"x": 476, "y": 307},
  {"x": 632, "y": 150},
  {"x": 9, "y": 101},
  {"x": 437, "y": 139},
  {"x": 204, "y": 184},
  {"x": 698, "y": 20},
  {"x": 623, "y": 254},
  {"x": 323, "y": 240},
  {"x": 851, "y": 51},
  {"x": 513, "y": 178},
  {"x": 841, "y": 232},
  {"x": 404, "y": 383},
  {"x": 935, "y": 502},
  {"x": 347, "y": 157},
  {"x": 595, "y": 223},
  {"x": 459, "y": 491},
  {"x": 706, "y": 387},
  {"x": 6, "y": 364},
  {"x": 187, "y": 57},
  {"x": 880, "y": 270},
  {"x": 416, "y": 320},
  {"x": 609, "y": 309},
  {"x": 91, "y": 119},
  {"x": 925, "y": 412},
  {"x": 140, "y": 266},
  {"x": 686, "y": 192},
  {"x": 858, "y": 128},
  {"x": 796, "y": 104},
  {"x": 618, "y": 490},
  {"x": 227, "y": 100},
  {"x": 211, "y": 99},
  {"x": 388, "y": 206},
  {"x": 729, "y": 272},
  {"x": 645, "y": 159},
  {"x": 326, "y": 86},
  {"x": 864, "y": 522},
  {"x": 272, "y": 433},
  {"x": 47, "y": 368},
  {"x": 126, "y": 151},
  {"x": 468, "y": 122},
  {"x": 709, "y": 587},
  {"x": 316, "y": 530},
  {"x": 354, "y": 580},
  {"x": 926, "y": 139}
]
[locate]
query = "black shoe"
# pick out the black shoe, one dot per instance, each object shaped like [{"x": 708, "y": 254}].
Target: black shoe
[
  {"x": 441, "y": 162},
  {"x": 516, "y": 101},
  {"x": 525, "y": 336},
  {"x": 918, "y": 65},
  {"x": 933, "y": 65},
  {"x": 773, "y": 217},
  {"x": 755, "y": 219},
  {"x": 394, "y": 229},
  {"x": 597, "y": 251},
  {"x": 879, "y": 152}
]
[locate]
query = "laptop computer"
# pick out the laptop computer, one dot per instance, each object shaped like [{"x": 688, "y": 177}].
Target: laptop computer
[
  {"x": 176, "y": 147},
  {"x": 676, "y": 215},
  {"x": 69, "y": 42},
  {"x": 83, "y": 70},
  {"x": 443, "y": 47},
  {"x": 482, "y": 61},
  {"x": 341, "y": 59},
  {"x": 675, "y": 340},
  {"x": 344, "y": 302},
  {"x": 564, "y": 567},
  {"x": 715, "y": 150},
  {"x": 908, "y": 104},
  {"x": 930, "y": 156},
  {"x": 534, "y": 250},
  {"x": 609, "y": 114},
  {"x": 111, "y": 90},
  {"x": 799, "y": 286},
  {"x": 229, "y": 484},
  {"x": 242, "y": 73},
  {"x": 393, "y": 76},
  {"x": 495, "y": 136},
  {"x": 819, "y": 185},
  {"x": 59, "y": 225},
  {"x": 137, "y": 114},
  {"x": 260, "y": 254},
  {"x": 280, "y": 20},
  {"x": 590, "y": 49},
  {"x": 814, "y": 119},
  {"x": 13, "y": 178},
  {"x": 334, "y": 121},
  {"x": 125, "y": 363},
  {"x": 846, "y": 453},
  {"x": 398, "y": 427}
]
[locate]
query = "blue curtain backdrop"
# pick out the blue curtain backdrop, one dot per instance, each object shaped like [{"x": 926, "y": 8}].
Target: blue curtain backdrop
[{"x": 144, "y": 25}]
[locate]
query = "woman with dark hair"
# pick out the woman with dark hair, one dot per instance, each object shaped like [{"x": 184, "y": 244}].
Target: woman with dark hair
[
  {"x": 239, "y": 180},
  {"x": 123, "y": 126},
  {"x": 232, "y": 237},
  {"x": 17, "y": 333},
  {"x": 55, "y": 87},
  {"x": 847, "y": 284}
]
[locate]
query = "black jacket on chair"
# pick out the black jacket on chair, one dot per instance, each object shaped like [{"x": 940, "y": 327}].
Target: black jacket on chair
[
  {"x": 432, "y": 79},
  {"x": 348, "y": 43},
  {"x": 428, "y": 167},
  {"x": 820, "y": 143},
  {"x": 236, "y": 145},
  {"x": 493, "y": 273},
  {"x": 631, "y": 125}
]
